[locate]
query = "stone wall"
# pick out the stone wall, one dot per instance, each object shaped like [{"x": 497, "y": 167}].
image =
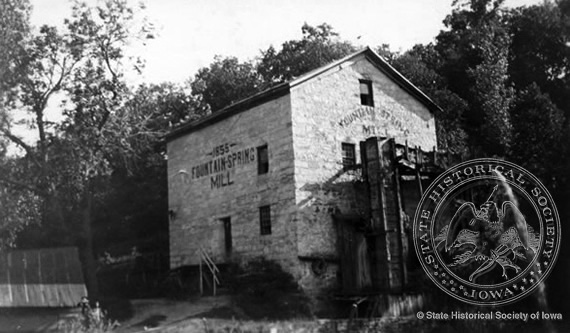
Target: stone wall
[
  {"x": 306, "y": 184},
  {"x": 327, "y": 111},
  {"x": 213, "y": 174}
]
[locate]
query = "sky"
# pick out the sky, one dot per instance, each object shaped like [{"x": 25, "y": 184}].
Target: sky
[{"x": 191, "y": 32}]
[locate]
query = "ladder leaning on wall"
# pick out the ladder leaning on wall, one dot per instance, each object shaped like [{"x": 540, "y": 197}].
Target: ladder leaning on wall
[{"x": 212, "y": 268}]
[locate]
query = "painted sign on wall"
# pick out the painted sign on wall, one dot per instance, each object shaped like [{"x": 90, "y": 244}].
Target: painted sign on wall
[
  {"x": 224, "y": 159},
  {"x": 384, "y": 115}
]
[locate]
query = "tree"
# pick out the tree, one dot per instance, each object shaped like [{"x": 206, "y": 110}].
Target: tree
[
  {"x": 538, "y": 126},
  {"x": 133, "y": 200},
  {"x": 226, "y": 81},
  {"x": 420, "y": 65},
  {"x": 319, "y": 46},
  {"x": 14, "y": 29},
  {"x": 474, "y": 53},
  {"x": 20, "y": 206},
  {"x": 491, "y": 94},
  {"x": 85, "y": 63},
  {"x": 539, "y": 50}
]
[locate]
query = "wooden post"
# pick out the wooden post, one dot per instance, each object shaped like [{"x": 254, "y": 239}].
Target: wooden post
[
  {"x": 419, "y": 156},
  {"x": 214, "y": 282},
  {"x": 201, "y": 282},
  {"x": 419, "y": 180},
  {"x": 385, "y": 213}
]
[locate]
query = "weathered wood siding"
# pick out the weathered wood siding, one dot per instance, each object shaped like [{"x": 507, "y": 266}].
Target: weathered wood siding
[{"x": 41, "y": 278}]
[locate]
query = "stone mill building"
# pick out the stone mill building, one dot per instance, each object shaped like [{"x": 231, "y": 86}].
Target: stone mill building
[{"x": 281, "y": 175}]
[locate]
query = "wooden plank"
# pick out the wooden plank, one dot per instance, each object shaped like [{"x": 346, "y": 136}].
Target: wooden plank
[
  {"x": 38, "y": 278},
  {"x": 386, "y": 212},
  {"x": 75, "y": 270},
  {"x": 345, "y": 255},
  {"x": 5, "y": 293},
  {"x": 11, "y": 290},
  {"x": 17, "y": 278},
  {"x": 66, "y": 288},
  {"x": 33, "y": 283},
  {"x": 362, "y": 271},
  {"x": 48, "y": 272},
  {"x": 60, "y": 267}
]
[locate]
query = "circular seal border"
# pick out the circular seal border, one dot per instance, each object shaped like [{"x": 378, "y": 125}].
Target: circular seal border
[{"x": 528, "y": 280}]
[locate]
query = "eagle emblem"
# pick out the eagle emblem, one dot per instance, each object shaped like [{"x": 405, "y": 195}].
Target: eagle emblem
[{"x": 485, "y": 238}]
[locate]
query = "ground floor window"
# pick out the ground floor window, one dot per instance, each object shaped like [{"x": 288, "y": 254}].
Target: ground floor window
[
  {"x": 227, "y": 221},
  {"x": 265, "y": 220}
]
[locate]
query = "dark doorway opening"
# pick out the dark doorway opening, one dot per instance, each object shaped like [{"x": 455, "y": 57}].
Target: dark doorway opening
[{"x": 227, "y": 221}]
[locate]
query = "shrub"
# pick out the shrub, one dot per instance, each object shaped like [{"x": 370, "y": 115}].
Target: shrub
[{"x": 262, "y": 289}]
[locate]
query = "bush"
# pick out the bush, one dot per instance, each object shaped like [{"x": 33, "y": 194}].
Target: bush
[
  {"x": 262, "y": 290},
  {"x": 91, "y": 320}
]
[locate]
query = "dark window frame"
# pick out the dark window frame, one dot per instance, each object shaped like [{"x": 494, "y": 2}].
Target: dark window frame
[
  {"x": 348, "y": 161},
  {"x": 366, "y": 99},
  {"x": 228, "y": 239},
  {"x": 265, "y": 220},
  {"x": 262, "y": 160}
]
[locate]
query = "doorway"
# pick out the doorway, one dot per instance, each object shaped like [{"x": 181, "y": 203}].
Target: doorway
[{"x": 227, "y": 224}]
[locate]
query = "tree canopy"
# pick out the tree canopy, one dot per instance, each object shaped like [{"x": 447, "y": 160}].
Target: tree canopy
[{"x": 227, "y": 80}]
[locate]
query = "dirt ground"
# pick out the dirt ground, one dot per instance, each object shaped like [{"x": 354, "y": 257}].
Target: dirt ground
[
  {"x": 134, "y": 315},
  {"x": 156, "y": 313},
  {"x": 216, "y": 314}
]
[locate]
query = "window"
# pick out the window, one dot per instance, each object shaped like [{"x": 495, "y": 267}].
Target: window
[
  {"x": 366, "y": 97},
  {"x": 262, "y": 160},
  {"x": 265, "y": 220},
  {"x": 227, "y": 221},
  {"x": 348, "y": 155}
]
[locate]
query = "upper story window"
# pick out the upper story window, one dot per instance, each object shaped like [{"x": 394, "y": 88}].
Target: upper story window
[
  {"x": 348, "y": 155},
  {"x": 262, "y": 160},
  {"x": 366, "y": 97}
]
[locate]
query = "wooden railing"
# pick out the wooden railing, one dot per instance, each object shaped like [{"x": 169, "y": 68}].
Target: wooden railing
[{"x": 214, "y": 271}]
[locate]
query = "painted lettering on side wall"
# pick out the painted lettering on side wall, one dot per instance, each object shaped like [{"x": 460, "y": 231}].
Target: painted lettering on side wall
[
  {"x": 225, "y": 159},
  {"x": 375, "y": 130},
  {"x": 385, "y": 115}
]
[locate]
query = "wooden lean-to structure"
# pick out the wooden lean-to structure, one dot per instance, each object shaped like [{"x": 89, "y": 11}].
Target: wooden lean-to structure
[{"x": 41, "y": 278}]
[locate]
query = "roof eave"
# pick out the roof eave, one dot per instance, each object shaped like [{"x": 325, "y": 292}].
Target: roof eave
[
  {"x": 284, "y": 88},
  {"x": 404, "y": 83},
  {"x": 245, "y": 104}
]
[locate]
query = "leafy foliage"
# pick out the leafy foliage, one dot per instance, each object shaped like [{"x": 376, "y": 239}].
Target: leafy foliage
[
  {"x": 501, "y": 78},
  {"x": 14, "y": 30},
  {"x": 538, "y": 135},
  {"x": 421, "y": 65},
  {"x": 227, "y": 80},
  {"x": 67, "y": 164},
  {"x": 262, "y": 289},
  {"x": 491, "y": 95},
  {"x": 319, "y": 46}
]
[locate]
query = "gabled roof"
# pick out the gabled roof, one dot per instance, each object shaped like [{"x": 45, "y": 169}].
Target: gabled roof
[{"x": 285, "y": 88}]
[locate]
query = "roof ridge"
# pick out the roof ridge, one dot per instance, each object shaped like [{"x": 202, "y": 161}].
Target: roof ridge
[{"x": 284, "y": 88}]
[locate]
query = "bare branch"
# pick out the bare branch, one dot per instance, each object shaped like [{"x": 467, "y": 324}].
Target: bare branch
[{"x": 18, "y": 141}]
